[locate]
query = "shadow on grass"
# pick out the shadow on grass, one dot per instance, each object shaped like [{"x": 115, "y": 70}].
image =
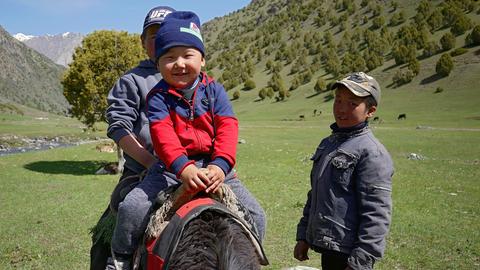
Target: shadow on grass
[
  {"x": 66, "y": 166},
  {"x": 431, "y": 79}
]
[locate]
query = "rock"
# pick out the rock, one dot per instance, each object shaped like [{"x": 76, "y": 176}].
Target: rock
[{"x": 414, "y": 156}]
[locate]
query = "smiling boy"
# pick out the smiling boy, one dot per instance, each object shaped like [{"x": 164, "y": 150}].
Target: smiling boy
[{"x": 194, "y": 134}]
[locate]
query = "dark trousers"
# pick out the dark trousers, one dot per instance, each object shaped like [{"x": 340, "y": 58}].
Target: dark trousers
[
  {"x": 334, "y": 260},
  {"x": 100, "y": 251}
]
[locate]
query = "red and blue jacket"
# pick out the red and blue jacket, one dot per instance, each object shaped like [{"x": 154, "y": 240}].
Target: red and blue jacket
[{"x": 183, "y": 130}]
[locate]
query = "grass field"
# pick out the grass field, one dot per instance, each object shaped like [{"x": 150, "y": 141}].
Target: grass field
[{"x": 49, "y": 200}]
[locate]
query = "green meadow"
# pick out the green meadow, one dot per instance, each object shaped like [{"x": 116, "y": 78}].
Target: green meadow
[{"x": 50, "y": 199}]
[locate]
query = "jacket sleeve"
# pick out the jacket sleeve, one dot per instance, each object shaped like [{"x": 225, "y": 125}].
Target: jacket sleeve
[
  {"x": 374, "y": 187},
  {"x": 226, "y": 131},
  {"x": 302, "y": 225},
  {"x": 165, "y": 141},
  {"x": 123, "y": 108}
]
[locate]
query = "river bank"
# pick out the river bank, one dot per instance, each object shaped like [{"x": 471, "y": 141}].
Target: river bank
[{"x": 13, "y": 144}]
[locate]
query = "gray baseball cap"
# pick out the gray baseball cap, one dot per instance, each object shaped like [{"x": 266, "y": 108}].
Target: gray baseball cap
[{"x": 361, "y": 85}]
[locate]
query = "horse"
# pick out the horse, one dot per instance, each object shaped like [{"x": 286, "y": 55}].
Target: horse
[{"x": 199, "y": 231}]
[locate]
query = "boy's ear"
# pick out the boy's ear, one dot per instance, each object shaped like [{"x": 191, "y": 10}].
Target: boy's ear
[
  {"x": 371, "y": 111},
  {"x": 142, "y": 39},
  {"x": 203, "y": 61}
]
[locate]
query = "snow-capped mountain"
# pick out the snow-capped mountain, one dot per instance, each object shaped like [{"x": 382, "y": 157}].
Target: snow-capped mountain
[
  {"x": 59, "y": 48},
  {"x": 22, "y": 37}
]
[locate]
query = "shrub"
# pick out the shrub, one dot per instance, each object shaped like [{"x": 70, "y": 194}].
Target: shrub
[
  {"x": 473, "y": 38},
  {"x": 447, "y": 41},
  {"x": 444, "y": 65},
  {"x": 236, "y": 95},
  {"x": 461, "y": 25},
  {"x": 439, "y": 90},
  {"x": 458, "y": 51},
  {"x": 250, "y": 84},
  {"x": 402, "y": 77},
  {"x": 320, "y": 85},
  {"x": 431, "y": 48},
  {"x": 262, "y": 94}
]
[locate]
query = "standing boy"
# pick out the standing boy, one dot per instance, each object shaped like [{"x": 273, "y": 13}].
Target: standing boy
[
  {"x": 348, "y": 209},
  {"x": 192, "y": 127},
  {"x": 127, "y": 120}
]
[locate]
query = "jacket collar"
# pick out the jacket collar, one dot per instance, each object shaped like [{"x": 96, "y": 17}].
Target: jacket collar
[
  {"x": 345, "y": 133},
  {"x": 163, "y": 86}
]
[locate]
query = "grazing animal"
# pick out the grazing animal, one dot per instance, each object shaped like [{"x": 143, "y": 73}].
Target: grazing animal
[
  {"x": 302, "y": 117},
  {"x": 314, "y": 112},
  {"x": 376, "y": 118},
  {"x": 402, "y": 116}
]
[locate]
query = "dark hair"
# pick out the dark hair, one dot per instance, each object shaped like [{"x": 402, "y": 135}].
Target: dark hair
[{"x": 370, "y": 101}]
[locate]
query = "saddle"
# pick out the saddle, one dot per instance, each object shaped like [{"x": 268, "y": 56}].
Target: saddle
[{"x": 175, "y": 209}]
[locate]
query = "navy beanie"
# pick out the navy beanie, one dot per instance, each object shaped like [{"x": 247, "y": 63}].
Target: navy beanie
[
  {"x": 179, "y": 28},
  {"x": 156, "y": 15}
]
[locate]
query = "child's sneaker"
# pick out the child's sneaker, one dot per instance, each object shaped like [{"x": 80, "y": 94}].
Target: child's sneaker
[
  {"x": 110, "y": 264},
  {"x": 121, "y": 261}
]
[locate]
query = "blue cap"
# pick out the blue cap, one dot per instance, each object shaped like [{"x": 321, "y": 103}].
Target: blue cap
[
  {"x": 156, "y": 16},
  {"x": 180, "y": 28}
]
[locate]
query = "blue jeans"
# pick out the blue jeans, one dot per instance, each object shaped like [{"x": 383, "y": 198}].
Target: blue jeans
[{"x": 134, "y": 211}]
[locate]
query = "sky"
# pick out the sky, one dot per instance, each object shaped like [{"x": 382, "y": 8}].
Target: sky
[{"x": 41, "y": 17}]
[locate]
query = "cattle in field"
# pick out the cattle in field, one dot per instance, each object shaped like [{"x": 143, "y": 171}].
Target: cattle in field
[
  {"x": 376, "y": 118},
  {"x": 301, "y": 117},
  {"x": 402, "y": 116}
]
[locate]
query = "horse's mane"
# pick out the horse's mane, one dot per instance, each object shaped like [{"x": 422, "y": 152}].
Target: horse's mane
[{"x": 214, "y": 242}]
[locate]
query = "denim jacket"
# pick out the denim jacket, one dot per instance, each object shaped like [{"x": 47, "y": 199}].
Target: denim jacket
[{"x": 349, "y": 205}]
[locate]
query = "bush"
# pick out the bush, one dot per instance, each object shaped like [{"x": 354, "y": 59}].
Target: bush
[
  {"x": 431, "y": 48},
  {"x": 473, "y": 38},
  {"x": 236, "y": 95},
  {"x": 403, "y": 77},
  {"x": 439, "y": 90},
  {"x": 458, "y": 51},
  {"x": 249, "y": 84},
  {"x": 444, "y": 65},
  {"x": 447, "y": 41},
  {"x": 320, "y": 85},
  {"x": 262, "y": 94},
  {"x": 461, "y": 25}
]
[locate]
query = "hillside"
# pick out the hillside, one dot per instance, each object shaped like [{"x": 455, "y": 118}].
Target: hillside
[
  {"x": 299, "y": 44},
  {"x": 58, "y": 48},
  {"x": 28, "y": 77}
]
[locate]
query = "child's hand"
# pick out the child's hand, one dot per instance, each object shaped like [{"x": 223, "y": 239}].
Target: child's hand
[
  {"x": 216, "y": 176},
  {"x": 194, "y": 179},
  {"x": 301, "y": 250}
]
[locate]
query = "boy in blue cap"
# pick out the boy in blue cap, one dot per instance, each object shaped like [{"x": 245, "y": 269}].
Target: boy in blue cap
[
  {"x": 348, "y": 209},
  {"x": 127, "y": 120},
  {"x": 194, "y": 133}
]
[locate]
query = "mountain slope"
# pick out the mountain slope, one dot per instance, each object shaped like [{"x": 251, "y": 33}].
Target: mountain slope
[
  {"x": 28, "y": 77},
  {"x": 299, "y": 41},
  {"x": 59, "y": 48}
]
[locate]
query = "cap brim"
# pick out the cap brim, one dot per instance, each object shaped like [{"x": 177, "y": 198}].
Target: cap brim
[{"x": 355, "y": 88}]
